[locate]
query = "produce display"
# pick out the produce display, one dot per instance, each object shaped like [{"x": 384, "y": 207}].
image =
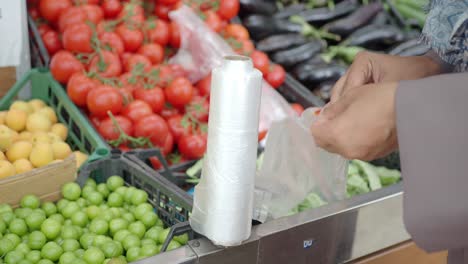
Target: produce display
[
  {"x": 316, "y": 40},
  {"x": 31, "y": 137},
  {"x": 99, "y": 223}
]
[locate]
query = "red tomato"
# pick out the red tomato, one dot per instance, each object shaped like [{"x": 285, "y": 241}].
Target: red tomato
[
  {"x": 132, "y": 38},
  {"x": 127, "y": 95},
  {"x": 276, "y": 76},
  {"x": 135, "y": 60},
  {"x": 79, "y": 86},
  {"x": 179, "y": 92},
  {"x": 133, "y": 14},
  {"x": 177, "y": 70},
  {"x": 154, "y": 97},
  {"x": 153, "y": 127},
  {"x": 297, "y": 108},
  {"x": 167, "y": 112},
  {"x": 63, "y": 65},
  {"x": 124, "y": 148},
  {"x": 94, "y": 13},
  {"x": 228, "y": 9},
  {"x": 167, "y": 2},
  {"x": 95, "y": 121},
  {"x": 204, "y": 86},
  {"x": 262, "y": 134},
  {"x": 165, "y": 75},
  {"x": 199, "y": 108},
  {"x": 124, "y": 57},
  {"x": 136, "y": 110},
  {"x": 103, "y": 99},
  {"x": 107, "y": 66},
  {"x": 34, "y": 12},
  {"x": 111, "y": 8},
  {"x": 192, "y": 146},
  {"x": 43, "y": 28},
  {"x": 247, "y": 47},
  {"x": 129, "y": 82},
  {"x": 83, "y": 2},
  {"x": 175, "y": 35},
  {"x": 162, "y": 11},
  {"x": 155, "y": 163},
  {"x": 213, "y": 21},
  {"x": 52, "y": 42},
  {"x": 77, "y": 38},
  {"x": 51, "y": 9},
  {"x": 109, "y": 131},
  {"x": 177, "y": 127},
  {"x": 261, "y": 61},
  {"x": 158, "y": 31},
  {"x": 168, "y": 144},
  {"x": 237, "y": 31},
  {"x": 153, "y": 51},
  {"x": 72, "y": 15},
  {"x": 112, "y": 41}
]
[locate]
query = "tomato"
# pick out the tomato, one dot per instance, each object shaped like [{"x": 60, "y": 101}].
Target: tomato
[
  {"x": 261, "y": 61},
  {"x": 154, "y": 97},
  {"x": 276, "y": 76},
  {"x": 204, "y": 86},
  {"x": 169, "y": 112},
  {"x": 175, "y": 35},
  {"x": 133, "y": 14},
  {"x": 63, "y": 65},
  {"x": 51, "y": 9},
  {"x": 103, "y": 99},
  {"x": 111, "y": 8},
  {"x": 153, "y": 127},
  {"x": 112, "y": 41},
  {"x": 179, "y": 92},
  {"x": 247, "y": 47},
  {"x": 132, "y": 38},
  {"x": 94, "y": 13},
  {"x": 153, "y": 51},
  {"x": 165, "y": 75},
  {"x": 77, "y": 38},
  {"x": 213, "y": 21},
  {"x": 167, "y": 2},
  {"x": 168, "y": 144},
  {"x": 192, "y": 146},
  {"x": 124, "y": 57},
  {"x": 199, "y": 108},
  {"x": 177, "y": 127},
  {"x": 262, "y": 134},
  {"x": 52, "y": 42},
  {"x": 83, "y": 2},
  {"x": 127, "y": 94},
  {"x": 155, "y": 163},
  {"x": 237, "y": 31},
  {"x": 34, "y": 13},
  {"x": 228, "y": 9},
  {"x": 297, "y": 108},
  {"x": 157, "y": 31},
  {"x": 177, "y": 70},
  {"x": 109, "y": 131},
  {"x": 72, "y": 15},
  {"x": 109, "y": 66},
  {"x": 162, "y": 11},
  {"x": 43, "y": 28},
  {"x": 79, "y": 86},
  {"x": 130, "y": 83},
  {"x": 136, "y": 59},
  {"x": 136, "y": 110},
  {"x": 95, "y": 121}
]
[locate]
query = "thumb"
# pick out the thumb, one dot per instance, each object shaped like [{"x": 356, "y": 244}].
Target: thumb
[{"x": 332, "y": 110}]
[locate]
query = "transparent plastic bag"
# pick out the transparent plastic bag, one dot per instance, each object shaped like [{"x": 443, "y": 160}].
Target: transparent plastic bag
[
  {"x": 293, "y": 167},
  {"x": 202, "y": 50}
]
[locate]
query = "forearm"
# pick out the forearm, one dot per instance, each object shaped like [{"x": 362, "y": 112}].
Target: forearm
[{"x": 441, "y": 66}]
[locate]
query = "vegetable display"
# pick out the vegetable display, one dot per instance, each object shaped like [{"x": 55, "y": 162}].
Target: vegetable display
[{"x": 99, "y": 223}]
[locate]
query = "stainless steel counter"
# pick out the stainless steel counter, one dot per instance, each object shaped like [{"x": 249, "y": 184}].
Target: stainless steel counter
[{"x": 335, "y": 233}]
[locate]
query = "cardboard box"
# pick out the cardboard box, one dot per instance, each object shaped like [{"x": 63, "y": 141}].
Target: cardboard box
[{"x": 45, "y": 182}]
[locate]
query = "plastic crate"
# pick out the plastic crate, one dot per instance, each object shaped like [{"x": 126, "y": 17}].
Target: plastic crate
[{"x": 81, "y": 135}]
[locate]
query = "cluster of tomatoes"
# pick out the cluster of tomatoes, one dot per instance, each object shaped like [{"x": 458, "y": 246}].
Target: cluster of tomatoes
[{"x": 111, "y": 55}]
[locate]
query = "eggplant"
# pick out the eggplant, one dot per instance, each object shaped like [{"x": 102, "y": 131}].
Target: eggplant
[
  {"x": 290, "y": 11},
  {"x": 382, "y": 18},
  {"x": 291, "y": 57},
  {"x": 324, "y": 90},
  {"x": 280, "y": 42},
  {"x": 403, "y": 46},
  {"x": 355, "y": 20},
  {"x": 261, "y": 26},
  {"x": 417, "y": 50},
  {"x": 262, "y": 7},
  {"x": 324, "y": 14},
  {"x": 372, "y": 35},
  {"x": 317, "y": 73}
]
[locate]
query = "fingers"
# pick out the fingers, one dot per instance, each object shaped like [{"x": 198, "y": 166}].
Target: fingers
[{"x": 337, "y": 90}]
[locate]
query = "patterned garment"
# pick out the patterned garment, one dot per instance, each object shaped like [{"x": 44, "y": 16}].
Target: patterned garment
[{"x": 446, "y": 31}]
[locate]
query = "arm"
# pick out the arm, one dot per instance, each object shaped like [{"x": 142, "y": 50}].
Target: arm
[{"x": 432, "y": 134}]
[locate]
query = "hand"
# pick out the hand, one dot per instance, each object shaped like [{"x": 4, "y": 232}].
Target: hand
[
  {"x": 371, "y": 67},
  {"x": 361, "y": 124}
]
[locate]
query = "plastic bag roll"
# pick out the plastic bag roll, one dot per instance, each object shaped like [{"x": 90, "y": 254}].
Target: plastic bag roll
[{"x": 223, "y": 200}]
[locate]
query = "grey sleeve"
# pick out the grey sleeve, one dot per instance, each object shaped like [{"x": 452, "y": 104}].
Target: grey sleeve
[
  {"x": 432, "y": 125},
  {"x": 444, "y": 66}
]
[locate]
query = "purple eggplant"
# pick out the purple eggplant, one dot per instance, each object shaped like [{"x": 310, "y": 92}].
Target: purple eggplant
[
  {"x": 261, "y": 7},
  {"x": 375, "y": 35},
  {"x": 261, "y": 26},
  {"x": 294, "y": 56},
  {"x": 318, "y": 73},
  {"x": 281, "y": 42},
  {"x": 324, "y": 14},
  {"x": 290, "y": 10}
]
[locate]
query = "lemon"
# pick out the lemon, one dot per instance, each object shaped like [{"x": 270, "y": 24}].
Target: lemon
[
  {"x": 50, "y": 113},
  {"x": 19, "y": 150},
  {"x": 16, "y": 119},
  {"x": 6, "y": 169},
  {"x": 61, "y": 150},
  {"x": 36, "y": 104},
  {"x": 25, "y": 135},
  {"x": 2, "y": 156},
  {"x": 22, "y": 105},
  {"x": 2, "y": 117},
  {"x": 14, "y": 135},
  {"x": 38, "y": 122},
  {"x": 40, "y": 137},
  {"x": 80, "y": 158},
  {"x": 60, "y": 130},
  {"x": 22, "y": 165},
  {"x": 54, "y": 137},
  {"x": 41, "y": 155},
  {"x": 6, "y": 137}
]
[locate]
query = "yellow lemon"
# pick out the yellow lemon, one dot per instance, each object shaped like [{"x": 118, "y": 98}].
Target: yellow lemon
[
  {"x": 50, "y": 113},
  {"x": 6, "y": 137},
  {"x": 22, "y": 105},
  {"x": 2, "y": 156},
  {"x": 3, "y": 117},
  {"x": 22, "y": 165},
  {"x": 6, "y": 169},
  {"x": 14, "y": 135},
  {"x": 80, "y": 158},
  {"x": 41, "y": 155},
  {"x": 38, "y": 122},
  {"x": 19, "y": 150},
  {"x": 60, "y": 129},
  {"x": 54, "y": 138},
  {"x": 40, "y": 137},
  {"x": 25, "y": 135},
  {"x": 36, "y": 104},
  {"x": 16, "y": 119},
  {"x": 61, "y": 150}
]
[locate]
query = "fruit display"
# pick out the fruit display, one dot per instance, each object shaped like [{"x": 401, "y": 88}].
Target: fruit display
[
  {"x": 31, "y": 137},
  {"x": 99, "y": 223}
]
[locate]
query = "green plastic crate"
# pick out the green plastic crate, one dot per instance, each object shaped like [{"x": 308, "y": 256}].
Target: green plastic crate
[{"x": 81, "y": 135}]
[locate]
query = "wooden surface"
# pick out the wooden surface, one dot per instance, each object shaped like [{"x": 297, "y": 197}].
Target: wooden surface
[
  {"x": 405, "y": 253},
  {"x": 7, "y": 79}
]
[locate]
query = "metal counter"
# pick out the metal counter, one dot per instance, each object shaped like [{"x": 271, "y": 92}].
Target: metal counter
[{"x": 336, "y": 233}]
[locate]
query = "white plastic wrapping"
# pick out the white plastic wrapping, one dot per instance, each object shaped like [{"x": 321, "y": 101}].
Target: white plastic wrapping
[
  {"x": 203, "y": 50},
  {"x": 293, "y": 167},
  {"x": 223, "y": 200}
]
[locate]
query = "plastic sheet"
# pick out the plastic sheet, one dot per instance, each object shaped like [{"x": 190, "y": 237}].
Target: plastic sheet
[{"x": 203, "y": 50}]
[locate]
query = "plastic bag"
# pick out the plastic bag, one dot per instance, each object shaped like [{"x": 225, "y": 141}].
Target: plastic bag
[
  {"x": 202, "y": 50},
  {"x": 293, "y": 167}
]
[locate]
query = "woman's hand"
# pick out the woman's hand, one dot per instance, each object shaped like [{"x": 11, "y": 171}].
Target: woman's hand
[
  {"x": 361, "y": 124},
  {"x": 369, "y": 67}
]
